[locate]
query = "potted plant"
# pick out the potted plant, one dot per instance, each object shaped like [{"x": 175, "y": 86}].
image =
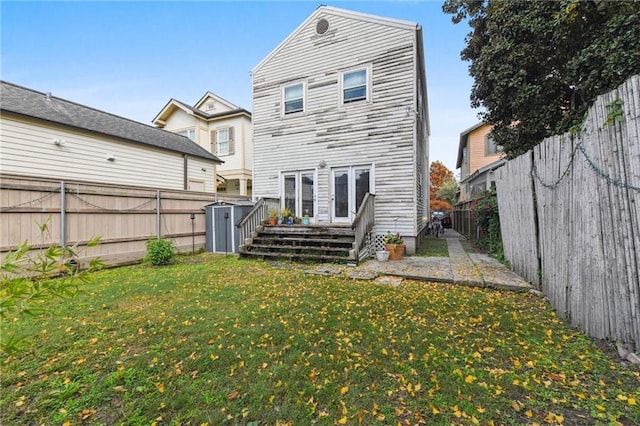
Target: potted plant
[
  {"x": 394, "y": 244},
  {"x": 305, "y": 218},
  {"x": 273, "y": 216},
  {"x": 287, "y": 217}
]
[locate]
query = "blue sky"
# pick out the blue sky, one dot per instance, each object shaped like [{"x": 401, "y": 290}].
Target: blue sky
[{"x": 130, "y": 58}]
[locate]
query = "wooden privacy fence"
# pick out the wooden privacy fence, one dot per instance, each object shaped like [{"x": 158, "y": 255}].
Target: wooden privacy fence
[
  {"x": 570, "y": 213},
  {"x": 125, "y": 217},
  {"x": 465, "y": 220}
]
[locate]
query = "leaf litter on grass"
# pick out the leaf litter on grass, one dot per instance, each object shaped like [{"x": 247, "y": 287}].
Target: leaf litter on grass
[{"x": 221, "y": 340}]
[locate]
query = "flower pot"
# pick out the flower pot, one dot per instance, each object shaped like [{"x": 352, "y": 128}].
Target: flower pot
[
  {"x": 305, "y": 220},
  {"x": 396, "y": 251},
  {"x": 382, "y": 255},
  {"x": 273, "y": 220}
]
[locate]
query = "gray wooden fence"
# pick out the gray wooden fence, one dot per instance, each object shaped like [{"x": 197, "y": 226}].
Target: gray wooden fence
[
  {"x": 570, "y": 213},
  {"x": 125, "y": 217}
]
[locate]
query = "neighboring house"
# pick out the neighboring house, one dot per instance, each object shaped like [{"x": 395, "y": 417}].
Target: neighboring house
[
  {"x": 339, "y": 110},
  {"x": 220, "y": 127},
  {"x": 45, "y": 136},
  {"x": 478, "y": 157}
]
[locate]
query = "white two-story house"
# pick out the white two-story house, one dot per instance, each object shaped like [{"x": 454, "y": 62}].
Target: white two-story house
[
  {"x": 340, "y": 110},
  {"x": 220, "y": 127}
]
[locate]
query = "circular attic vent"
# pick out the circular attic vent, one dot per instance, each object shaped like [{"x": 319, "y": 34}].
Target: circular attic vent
[{"x": 322, "y": 26}]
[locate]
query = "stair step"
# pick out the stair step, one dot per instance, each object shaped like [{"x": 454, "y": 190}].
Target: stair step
[
  {"x": 286, "y": 240},
  {"x": 308, "y": 230},
  {"x": 295, "y": 256},
  {"x": 311, "y": 248}
]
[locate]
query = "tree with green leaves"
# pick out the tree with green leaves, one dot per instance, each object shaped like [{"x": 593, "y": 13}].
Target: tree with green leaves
[
  {"x": 448, "y": 191},
  {"x": 539, "y": 65}
]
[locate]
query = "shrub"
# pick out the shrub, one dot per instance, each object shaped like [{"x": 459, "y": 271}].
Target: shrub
[
  {"x": 160, "y": 252},
  {"x": 488, "y": 220}
]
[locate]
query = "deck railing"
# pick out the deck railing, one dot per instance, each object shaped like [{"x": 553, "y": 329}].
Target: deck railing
[
  {"x": 260, "y": 212},
  {"x": 363, "y": 224}
]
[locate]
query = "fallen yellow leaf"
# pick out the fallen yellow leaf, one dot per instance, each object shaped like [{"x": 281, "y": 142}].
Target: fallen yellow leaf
[{"x": 344, "y": 390}]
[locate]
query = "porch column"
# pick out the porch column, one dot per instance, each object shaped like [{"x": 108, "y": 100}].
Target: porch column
[{"x": 243, "y": 186}]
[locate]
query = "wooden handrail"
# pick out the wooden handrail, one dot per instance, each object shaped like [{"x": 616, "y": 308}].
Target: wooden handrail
[
  {"x": 256, "y": 215},
  {"x": 363, "y": 223}
]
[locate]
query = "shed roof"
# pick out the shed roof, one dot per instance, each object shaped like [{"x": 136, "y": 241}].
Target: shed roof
[{"x": 30, "y": 103}]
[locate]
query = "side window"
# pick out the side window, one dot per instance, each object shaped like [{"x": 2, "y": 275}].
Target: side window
[
  {"x": 222, "y": 141},
  {"x": 190, "y": 133},
  {"x": 355, "y": 85},
  {"x": 293, "y": 98},
  {"x": 491, "y": 147}
]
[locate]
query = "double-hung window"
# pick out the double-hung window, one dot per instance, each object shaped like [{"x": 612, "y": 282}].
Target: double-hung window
[
  {"x": 491, "y": 147},
  {"x": 222, "y": 142},
  {"x": 190, "y": 133},
  {"x": 355, "y": 85},
  {"x": 293, "y": 98}
]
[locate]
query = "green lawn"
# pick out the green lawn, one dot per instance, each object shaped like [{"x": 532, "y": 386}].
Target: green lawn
[
  {"x": 433, "y": 247},
  {"x": 217, "y": 340}
]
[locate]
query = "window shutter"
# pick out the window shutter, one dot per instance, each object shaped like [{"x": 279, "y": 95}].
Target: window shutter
[
  {"x": 214, "y": 142},
  {"x": 232, "y": 144}
]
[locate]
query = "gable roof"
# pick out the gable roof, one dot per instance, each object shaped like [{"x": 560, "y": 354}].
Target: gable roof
[
  {"x": 463, "y": 141},
  {"x": 215, "y": 98},
  {"x": 337, "y": 12},
  {"x": 160, "y": 119},
  {"x": 42, "y": 106}
]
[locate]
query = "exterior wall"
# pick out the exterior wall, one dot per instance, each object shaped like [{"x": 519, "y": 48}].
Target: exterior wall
[
  {"x": 179, "y": 121},
  {"x": 476, "y": 159},
  {"x": 328, "y": 134},
  {"x": 27, "y": 149},
  {"x": 477, "y": 156},
  {"x": 237, "y": 167}
]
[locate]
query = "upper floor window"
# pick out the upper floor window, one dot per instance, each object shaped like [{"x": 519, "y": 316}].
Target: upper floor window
[
  {"x": 293, "y": 98},
  {"x": 492, "y": 148},
  {"x": 222, "y": 142},
  {"x": 190, "y": 133},
  {"x": 355, "y": 85}
]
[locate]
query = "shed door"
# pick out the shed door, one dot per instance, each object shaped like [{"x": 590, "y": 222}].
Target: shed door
[{"x": 223, "y": 242}]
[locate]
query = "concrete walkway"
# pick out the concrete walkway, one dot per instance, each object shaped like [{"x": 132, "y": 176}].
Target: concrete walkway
[{"x": 459, "y": 268}]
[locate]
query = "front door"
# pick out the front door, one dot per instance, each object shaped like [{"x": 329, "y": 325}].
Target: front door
[{"x": 349, "y": 186}]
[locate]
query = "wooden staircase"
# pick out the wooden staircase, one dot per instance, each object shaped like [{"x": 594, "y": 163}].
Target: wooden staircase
[{"x": 320, "y": 243}]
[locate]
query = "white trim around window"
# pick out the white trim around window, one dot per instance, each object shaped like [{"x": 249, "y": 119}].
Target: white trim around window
[
  {"x": 355, "y": 85},
  {"x": 294, "y": 98}
]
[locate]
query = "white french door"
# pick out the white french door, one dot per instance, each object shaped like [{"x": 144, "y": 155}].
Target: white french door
[
  {"x": 299, "y": 192},
  {"x": 348, "y": 188}
]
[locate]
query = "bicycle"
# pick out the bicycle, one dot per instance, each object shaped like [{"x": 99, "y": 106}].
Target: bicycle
[{"x": 438, "y": 229}]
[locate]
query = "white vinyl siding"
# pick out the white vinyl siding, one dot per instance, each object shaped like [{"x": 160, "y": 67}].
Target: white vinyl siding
[
  {"x": 379, "y": 132},
  {"x": 28, "y": 149}
]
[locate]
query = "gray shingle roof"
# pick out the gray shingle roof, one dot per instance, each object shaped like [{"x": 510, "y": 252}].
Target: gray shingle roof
[{"x": 30, "y": 103}]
